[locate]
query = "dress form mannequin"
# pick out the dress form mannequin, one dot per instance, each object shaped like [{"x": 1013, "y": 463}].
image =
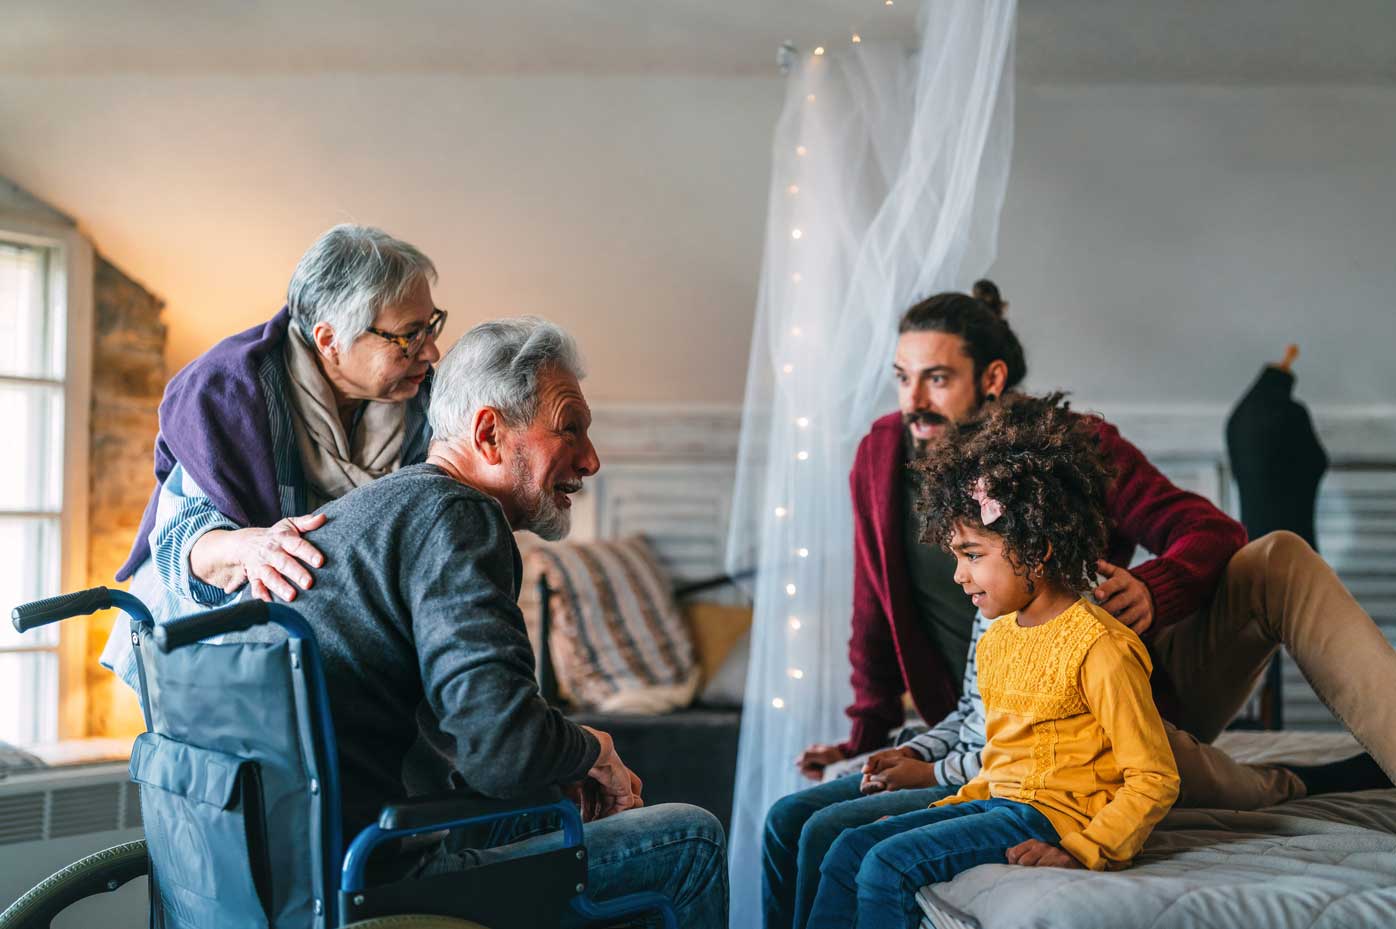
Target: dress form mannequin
[
  {"x": 1276, "y": 455},
  {"x": 1278, "y": 461}
]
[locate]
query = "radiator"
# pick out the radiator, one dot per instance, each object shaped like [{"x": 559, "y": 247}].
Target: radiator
[{"x": 51, "y": 817}]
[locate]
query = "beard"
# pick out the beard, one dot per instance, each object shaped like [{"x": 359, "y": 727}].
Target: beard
[
  {"x": 919, "y": 447},
  {"x": 541, "y": 514}
]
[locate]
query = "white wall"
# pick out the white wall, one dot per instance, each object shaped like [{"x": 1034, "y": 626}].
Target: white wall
[
  {"x": 1159, "y": 242},
  {"x": 629, "y": 209}
]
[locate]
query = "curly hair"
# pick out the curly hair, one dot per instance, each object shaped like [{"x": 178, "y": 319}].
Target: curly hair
[{"x": 1040, "y": 461}]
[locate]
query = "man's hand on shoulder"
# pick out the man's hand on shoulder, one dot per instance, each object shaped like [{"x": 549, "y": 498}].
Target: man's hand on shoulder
[
  {"x": 1125, "y": 597},
  {"x": 896, "y": 769},
  {"x": 816, "y": 758}
]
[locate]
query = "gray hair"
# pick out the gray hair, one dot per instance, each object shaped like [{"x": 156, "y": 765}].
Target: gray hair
[
  {"x": 349, "y": 275},
  {"x": 497, "y": 364}
]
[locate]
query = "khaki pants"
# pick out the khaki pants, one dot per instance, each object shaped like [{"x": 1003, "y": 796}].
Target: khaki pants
[
  {"x": 1276, "y": 591},
  {"x": 1212, "y": 779}
]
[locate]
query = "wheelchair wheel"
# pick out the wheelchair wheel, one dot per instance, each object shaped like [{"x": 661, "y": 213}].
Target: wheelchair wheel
[
  {"x": 414, "y": 922},
  {"x": 101, "y": 872}
]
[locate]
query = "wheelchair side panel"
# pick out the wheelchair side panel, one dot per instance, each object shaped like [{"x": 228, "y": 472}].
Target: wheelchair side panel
[
  {"x": 202, "y": 814},
  {"x": 237, "y": 700}
]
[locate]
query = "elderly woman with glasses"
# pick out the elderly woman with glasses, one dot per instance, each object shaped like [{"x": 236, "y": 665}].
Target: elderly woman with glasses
[{"x": 274, "y": 422}]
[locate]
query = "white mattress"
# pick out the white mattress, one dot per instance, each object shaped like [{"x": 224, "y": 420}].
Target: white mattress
[{"x": 1326, "y": 862}]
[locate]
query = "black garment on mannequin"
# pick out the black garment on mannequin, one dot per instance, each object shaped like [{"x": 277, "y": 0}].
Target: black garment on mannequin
[{"x": 1276, "y": 457}]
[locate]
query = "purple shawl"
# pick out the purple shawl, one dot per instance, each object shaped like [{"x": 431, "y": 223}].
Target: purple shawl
[{"x": 214, "y": 422}]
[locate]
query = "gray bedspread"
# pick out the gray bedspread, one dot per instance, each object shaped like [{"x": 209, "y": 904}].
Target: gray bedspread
[{"x": 1325, "y": 862}]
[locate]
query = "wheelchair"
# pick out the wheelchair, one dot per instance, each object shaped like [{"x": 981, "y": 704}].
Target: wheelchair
[{"x": 239, "y": 786}]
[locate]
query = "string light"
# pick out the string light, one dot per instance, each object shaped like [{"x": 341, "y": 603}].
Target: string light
[
  {"x": 781, "y": 512},
  {"x": 819, "y": 50},
  {"x": 796, "y": 673},
  {"x": 802, "y": 455},
  {"x": 790, "y": 590},
  {"x": 796, "y": 234},
  {"x": 797, "y": 277},
  {"x": 802, "y": 422},
  {"x": 802, "y": 552},
  {"x": 886, "y": 2},
  {"x": 796, "y": 331},
  {"x": 778, "y": 703},
  {"x": 801, "y": 151},
  {"x": 857, "y": 38},
  {"x": 787, "y": 369},
  {"x": 794, "y": 624},
  {"x": 809, "y": 99},
  {"x": 793, "y": 189}
]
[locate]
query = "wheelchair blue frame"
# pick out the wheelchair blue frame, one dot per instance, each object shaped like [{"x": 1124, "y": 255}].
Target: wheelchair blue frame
[
  {"x": 296, "y": 628},
  {"x": 331, "y": 836},
  {"x": 345, "y": 871},
  {"x": 356, "y": 862}
]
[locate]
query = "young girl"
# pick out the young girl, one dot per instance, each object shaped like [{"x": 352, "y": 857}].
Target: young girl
[{"x": 1077, "y": 768}]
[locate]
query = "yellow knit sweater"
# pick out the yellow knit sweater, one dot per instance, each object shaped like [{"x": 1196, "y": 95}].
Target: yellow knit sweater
[{"x": 1072, "y": 730}]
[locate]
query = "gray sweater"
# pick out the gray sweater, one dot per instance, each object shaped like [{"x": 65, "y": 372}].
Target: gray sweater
[{"x": 417, "y": 618}]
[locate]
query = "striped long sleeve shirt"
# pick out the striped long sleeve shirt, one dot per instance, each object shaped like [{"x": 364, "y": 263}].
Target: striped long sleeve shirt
[{"x": 954, "y": 744}]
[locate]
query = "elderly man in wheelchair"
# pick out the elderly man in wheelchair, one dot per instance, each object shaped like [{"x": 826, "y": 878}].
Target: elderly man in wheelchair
[{"x": 397, "y": 703}]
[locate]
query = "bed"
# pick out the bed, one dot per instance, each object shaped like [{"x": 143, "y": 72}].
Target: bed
[{"x": 1321, "y": 863}]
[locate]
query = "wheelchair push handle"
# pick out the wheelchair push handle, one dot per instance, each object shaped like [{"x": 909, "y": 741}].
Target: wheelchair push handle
[
  {"x": 28, "y": 616},
  {"x": 236, "y": 618}
]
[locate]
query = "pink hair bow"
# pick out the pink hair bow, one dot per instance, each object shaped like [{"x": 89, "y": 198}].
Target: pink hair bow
[{"x": 989, "y": 508}]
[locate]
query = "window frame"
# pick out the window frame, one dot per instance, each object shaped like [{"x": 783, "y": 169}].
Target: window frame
[{"x": 71, "y": 275}]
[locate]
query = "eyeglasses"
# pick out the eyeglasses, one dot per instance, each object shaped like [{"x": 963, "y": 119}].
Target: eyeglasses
[{"x": 411, "y": 342}]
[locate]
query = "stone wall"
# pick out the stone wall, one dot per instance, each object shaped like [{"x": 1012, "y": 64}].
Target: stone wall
[{"x": 128, "y": 377}]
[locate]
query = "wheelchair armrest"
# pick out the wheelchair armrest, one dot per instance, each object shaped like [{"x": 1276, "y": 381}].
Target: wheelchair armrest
[{"x": 424, "y": 812}]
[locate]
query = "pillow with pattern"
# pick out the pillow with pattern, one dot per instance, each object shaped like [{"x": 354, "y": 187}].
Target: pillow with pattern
[{"x": 618, "y": 641}]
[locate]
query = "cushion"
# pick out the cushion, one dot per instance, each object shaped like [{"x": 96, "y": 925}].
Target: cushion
[
  {"x": 617, "y": 638},
  {"x": 716, "y": 628},
  {"x": 728, "y": 685}
]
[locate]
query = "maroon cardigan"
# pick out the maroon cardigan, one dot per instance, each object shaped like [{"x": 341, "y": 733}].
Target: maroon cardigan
[{"x": 889, "y": 649}]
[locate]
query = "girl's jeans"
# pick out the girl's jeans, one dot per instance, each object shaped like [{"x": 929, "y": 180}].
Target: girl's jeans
[{"x": 871, "y": 875}]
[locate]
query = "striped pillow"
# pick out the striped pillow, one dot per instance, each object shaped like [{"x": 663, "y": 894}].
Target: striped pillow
[{"x": 618, "y": 640}]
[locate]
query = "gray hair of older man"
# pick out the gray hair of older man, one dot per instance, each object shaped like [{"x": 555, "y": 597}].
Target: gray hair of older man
[
  {"x": 498, "y": 364},
  {"x": 349, "y": 275}
]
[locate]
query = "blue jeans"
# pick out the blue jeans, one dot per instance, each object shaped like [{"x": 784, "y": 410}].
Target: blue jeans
[
  {"x": 800, "y": 829},
  {"x": 674, "y": 849},
  {"x": 871, "y": 875}
]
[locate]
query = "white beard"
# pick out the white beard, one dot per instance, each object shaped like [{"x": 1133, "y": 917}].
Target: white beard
[{"x": 542, "y": 516}]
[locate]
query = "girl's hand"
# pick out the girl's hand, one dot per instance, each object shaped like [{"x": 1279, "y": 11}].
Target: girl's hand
[
  {"x": 896, "y": 770},
  {"x": 1037, "y": 854},
  {"x": 886, "y": 758}
]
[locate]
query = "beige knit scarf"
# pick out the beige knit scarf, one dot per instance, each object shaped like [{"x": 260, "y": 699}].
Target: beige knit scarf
[{"x": 333, "y": 461}]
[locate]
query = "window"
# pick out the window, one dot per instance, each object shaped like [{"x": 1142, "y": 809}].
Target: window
[{"x": 33, "y": 326}]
